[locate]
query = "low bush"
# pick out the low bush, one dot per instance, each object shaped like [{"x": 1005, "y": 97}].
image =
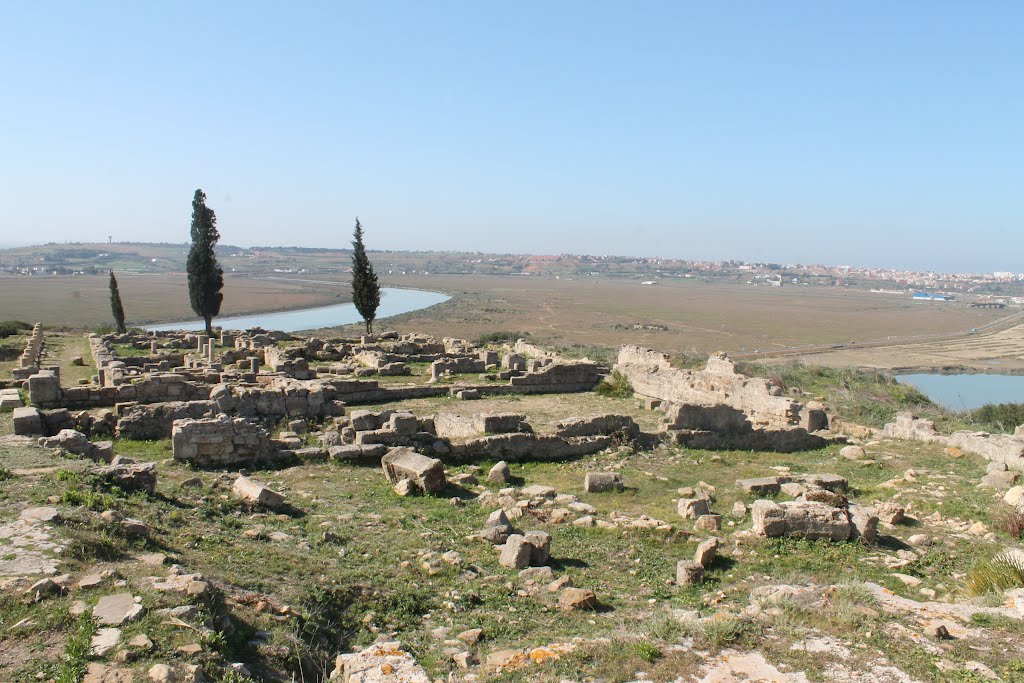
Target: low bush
[
  {"x": 9, "y": 327},
  {"x": 615, "y": 385},
  {"x": 995, "y": 575},
  {"x": 1011, "y": 521},
  {"x": 76, "y": 651},
  {"x": 998, "y": 417},
  {"x": 499, "y": 337}
]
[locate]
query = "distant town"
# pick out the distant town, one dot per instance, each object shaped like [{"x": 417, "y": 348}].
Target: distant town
[{"x": 1002, "y": 287}]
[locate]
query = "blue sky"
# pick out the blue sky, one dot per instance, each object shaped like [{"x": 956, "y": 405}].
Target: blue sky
[{"x": 871, "y": 133}]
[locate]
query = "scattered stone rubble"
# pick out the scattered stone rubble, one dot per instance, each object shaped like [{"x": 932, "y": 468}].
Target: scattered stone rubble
[{"x": 214, "y": 400}]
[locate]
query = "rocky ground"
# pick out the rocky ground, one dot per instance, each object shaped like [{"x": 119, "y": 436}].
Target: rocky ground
[{"x": 192, "y": 583}]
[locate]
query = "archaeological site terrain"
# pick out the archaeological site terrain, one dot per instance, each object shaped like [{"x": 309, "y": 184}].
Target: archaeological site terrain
[{"x": 268, "y": 506}]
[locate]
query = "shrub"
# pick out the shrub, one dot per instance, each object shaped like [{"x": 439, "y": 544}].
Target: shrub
[
  {"x": 604, "y": 355},
  {"x": 995, "y": 575},
  {"x": 647, "y": 651},
  {"x": 999, "y": 417},
  {"x": 615, "y": 385},
  {"x": 499, "y": 337},
  {"x": 9, "y": 327},
  {"x": 1011, "y": 520}
]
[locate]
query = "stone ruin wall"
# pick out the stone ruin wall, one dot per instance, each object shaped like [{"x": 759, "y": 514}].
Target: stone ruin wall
[
  {"x": 1005, "y": 449},
  {"x": 32, "y": 355},
  {"x": 718, "y": 384},
  {"x": 220, "y": 442}
]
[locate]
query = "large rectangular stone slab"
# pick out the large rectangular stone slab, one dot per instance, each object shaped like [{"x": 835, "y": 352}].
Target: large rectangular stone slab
[
  {"x": 405, "y": 463},
  {"x": 28, "y": 421}
]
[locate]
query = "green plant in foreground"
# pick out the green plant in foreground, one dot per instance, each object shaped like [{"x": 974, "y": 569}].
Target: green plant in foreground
[
  {"x": 615, "y": 385},
  {"x": 998, "y": 574},
  {"x": 647, "y": 651},
  {"x": 76, "y": 651}
]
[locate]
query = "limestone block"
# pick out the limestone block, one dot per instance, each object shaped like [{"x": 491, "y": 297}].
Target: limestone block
[
  {"x": 381, "y": 662},
  {"x": 44, "y": 388},
  {"x": 252, "y": 491},
  {"x": 28, "y": 421},
  {"x": 692, "y": 508},
  {"x": 689, "y": 573},
  {"x": 114, "y": 610},
  {"x": 578, "y": 598},
  {"x": 801, "y": 519},
  {"x": 761, "y": 485},
  {"x": 707, "y": 551},
  {"x": 599, "y": 482},
  {"x": 708, "y": 523},
  {"x": 516, "y": 552},
  {"x": 864, "y": 523},
  {"x": 540, "y": 541},
  {"x": 500, "y": 473},
  {"x": 405, "y": 463},
  {"x": 404, "y": 423}
]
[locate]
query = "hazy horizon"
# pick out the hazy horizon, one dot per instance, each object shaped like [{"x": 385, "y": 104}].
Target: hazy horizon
[{"x": 876, "y": 135}]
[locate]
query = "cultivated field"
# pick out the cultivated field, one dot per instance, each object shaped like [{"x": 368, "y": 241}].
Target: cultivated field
[
  {"x": 1000, "y": 351},
  {"x": 699, "y": 317},
  {"x": 79, "y": 301}
]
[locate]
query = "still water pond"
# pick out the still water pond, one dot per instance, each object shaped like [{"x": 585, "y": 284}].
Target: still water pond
[
  {"x": 393, "y": 301},
  {"x": 967, "y": 392}
]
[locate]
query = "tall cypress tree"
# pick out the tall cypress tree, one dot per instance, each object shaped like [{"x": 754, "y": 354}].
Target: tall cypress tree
[
  {"x": 365, "y": 290},
  {"x": 115, "y": 304},
  {"x": 205, "y": 276}
]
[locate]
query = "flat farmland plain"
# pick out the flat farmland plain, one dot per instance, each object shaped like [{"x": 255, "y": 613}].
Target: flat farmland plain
[
  {"x": 700, "y": 317},
  {"x": 696, "y": 317},
  {"x": 81, "y": 301}
]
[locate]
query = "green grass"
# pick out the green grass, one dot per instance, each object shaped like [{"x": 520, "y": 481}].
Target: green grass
[{"x": 76, "y": 652}]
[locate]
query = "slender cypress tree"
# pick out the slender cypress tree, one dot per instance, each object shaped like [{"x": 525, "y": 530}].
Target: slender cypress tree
[
  {"x": 365, "y": 290},
  {"x": 205, "y": 276},
  {"x": 115, "y": 304}
]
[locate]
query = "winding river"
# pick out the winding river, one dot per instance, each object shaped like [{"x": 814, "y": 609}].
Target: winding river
[
  {"x": 393, "y": 301},
  {"x": 967, "y": 392}
]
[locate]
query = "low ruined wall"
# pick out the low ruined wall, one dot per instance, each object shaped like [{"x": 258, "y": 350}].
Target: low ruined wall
[
  {"x": 567, "y": 377},
  {"x": 31, "y": 355},
  {"x": 597, "y": 425},
  {"x": 525, "y": 348},
  {"x": 1000, "y": 448},
  {"x": 456, "y": 364},
  {"x": 718, "y": 384},
  {"x": 455, "y": 426},
  {"x": 280, "y": 397},
  {"x": 295, "y": 399},
  {"x": 526, "y": 447},
  {"x": 148, "y": 422},
  {"x": 280, "y": 360},
  {"x": 220, "y": 442}
]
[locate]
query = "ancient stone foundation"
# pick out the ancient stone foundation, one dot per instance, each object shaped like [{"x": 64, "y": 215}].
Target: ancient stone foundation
[
  {"x": 220, "y": 442},
  {"x": 1004, "y": 449},
  {"x": 718, "y": 407}
]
